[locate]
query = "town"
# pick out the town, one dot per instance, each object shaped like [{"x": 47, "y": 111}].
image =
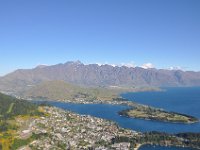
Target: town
[{"x": 67, "y": 130}]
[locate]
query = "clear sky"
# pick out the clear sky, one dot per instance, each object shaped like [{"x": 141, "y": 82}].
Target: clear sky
[{"x": 165, "y": 33}]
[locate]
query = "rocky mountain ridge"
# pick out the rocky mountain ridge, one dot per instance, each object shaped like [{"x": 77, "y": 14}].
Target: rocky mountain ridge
[{"x": 93, "y": 75}]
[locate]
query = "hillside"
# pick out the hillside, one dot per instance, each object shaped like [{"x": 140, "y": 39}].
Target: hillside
[
  {"x": 11, "y": 111},
  {"x": 93, "y": 75},
  {"x": 60, "y": 90},
  {"x": 10, "y": 107}
]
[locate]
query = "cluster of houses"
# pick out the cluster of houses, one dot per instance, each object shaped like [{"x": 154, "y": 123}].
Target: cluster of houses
[{"x": 67, "y": 130}]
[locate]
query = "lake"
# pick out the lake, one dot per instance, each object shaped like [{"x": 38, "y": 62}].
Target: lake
[
  {"x": 182, "y": 100},
  {"x": 150, "y": 147}
]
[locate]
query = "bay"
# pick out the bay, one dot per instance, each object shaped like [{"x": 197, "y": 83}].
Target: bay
[{"x": 182, "y": 100}]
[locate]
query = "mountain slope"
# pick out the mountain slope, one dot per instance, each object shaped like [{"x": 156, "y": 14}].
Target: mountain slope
[
  {"x": 93, "y": 76},
  {"x": 60, "y": 90}
]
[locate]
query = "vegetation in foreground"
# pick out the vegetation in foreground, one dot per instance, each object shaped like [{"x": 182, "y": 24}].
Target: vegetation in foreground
[{"x": 10, "y": 108}]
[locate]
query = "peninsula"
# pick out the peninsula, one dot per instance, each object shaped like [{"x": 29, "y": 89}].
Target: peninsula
[
  {"x": 70, "y": 93},
  {"x": 151, "y": 113},
  {"x": 44, "y": 127}
]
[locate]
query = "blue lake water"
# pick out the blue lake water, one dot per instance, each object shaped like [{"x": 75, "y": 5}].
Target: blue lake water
[
  {"x": 182, "y": 100},
  {"x": 150, "y": 147}
]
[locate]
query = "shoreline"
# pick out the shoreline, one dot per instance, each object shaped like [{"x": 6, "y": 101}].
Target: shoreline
[
  {"x": 146, "y": 116},
  {"x": 132, "y": 106},
  {"x": 138, "y": 146}
]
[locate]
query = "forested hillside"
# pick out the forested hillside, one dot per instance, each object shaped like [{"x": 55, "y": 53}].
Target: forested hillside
[{"x": 10, "y": 106}]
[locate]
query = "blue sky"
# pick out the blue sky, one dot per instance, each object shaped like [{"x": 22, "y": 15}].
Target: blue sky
[{"x": 165, "y": 33}]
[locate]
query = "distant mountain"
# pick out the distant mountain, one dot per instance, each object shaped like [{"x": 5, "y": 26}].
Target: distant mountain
[{"x": 93, "y": 75}]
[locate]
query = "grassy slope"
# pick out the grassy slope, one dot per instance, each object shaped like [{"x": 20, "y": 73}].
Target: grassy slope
[
  {"x": 155, "y": 114},
  {"x": 10, "y": 108},
  {"x": 60, "y": 90}
]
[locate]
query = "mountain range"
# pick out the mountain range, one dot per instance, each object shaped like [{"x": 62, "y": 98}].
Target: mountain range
[{"x": 93, "y": 75}]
